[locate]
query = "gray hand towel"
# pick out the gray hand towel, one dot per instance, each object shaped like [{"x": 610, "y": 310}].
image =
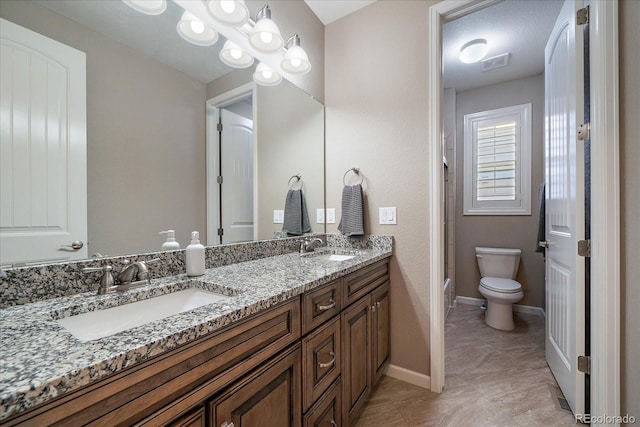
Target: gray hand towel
[
  {"x": 541, "y": 220},
  {"x": 352, "y": 221},
  {"x": 296, "y": 218}
]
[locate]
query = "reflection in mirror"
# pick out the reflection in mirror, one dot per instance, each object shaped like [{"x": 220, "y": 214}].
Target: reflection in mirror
[{"x": 146, "y": 92}]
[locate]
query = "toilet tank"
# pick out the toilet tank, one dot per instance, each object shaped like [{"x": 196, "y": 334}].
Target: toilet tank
[{"x": 498, "y": 262}]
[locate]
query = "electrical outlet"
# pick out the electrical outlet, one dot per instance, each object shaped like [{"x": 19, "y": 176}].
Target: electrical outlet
[
  {"x": 320, "y": 216},
  {"x": 278, "y": 216},
  {"x": 388, "y": 216},
  {"x": 331, "y": 216}
]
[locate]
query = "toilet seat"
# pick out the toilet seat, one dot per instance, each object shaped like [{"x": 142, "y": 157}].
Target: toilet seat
[{"x": 497, "y": 284}]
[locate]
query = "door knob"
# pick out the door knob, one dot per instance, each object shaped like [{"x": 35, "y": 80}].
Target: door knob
[
  {"x": 74, "y": 245},
  {"x": 544, "y": 244}
]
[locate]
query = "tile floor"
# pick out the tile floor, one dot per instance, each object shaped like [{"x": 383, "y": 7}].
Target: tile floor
[{"x": 493, "y": 378}]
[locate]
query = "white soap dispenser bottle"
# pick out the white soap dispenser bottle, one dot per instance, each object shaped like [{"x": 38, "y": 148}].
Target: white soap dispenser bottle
[
  {"x": 195, "y": 256},
  {"x": 171, "y": 243}
]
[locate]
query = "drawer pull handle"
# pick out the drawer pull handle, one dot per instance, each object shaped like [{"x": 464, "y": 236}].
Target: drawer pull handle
[
  {"x": 227, "y": 424},
  {"x": 329, "y": 306},
  {"x": 329, "y": 363},
  {"x": 333, "y": 424}
]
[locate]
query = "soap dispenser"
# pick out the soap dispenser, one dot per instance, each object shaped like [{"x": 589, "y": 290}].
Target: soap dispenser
[
  {"x": 195, "y": 256},
  {"x": 171, "y": 243}
]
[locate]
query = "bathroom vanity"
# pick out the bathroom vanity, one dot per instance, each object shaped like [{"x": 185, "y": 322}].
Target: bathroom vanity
[{"x": 298, "y": 340}]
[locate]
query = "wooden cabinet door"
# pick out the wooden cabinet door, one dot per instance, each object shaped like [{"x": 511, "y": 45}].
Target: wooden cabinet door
[
  {"x": 327, "y": 410},
  {"x": 380, "y": 331},
  {"x": 268, "y": 398},
  {"x": 356, "y": 367}
]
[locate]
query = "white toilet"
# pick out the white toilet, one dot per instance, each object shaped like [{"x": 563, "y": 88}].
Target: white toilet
[{"x": 498, "y": 268}]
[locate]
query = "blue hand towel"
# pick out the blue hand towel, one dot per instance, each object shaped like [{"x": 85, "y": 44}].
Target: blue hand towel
[
  {"x": 296, "y": 218},
  {"x": 352, "y": 221}
]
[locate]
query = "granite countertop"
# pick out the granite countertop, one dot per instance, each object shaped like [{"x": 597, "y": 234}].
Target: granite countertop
[{"x": 40, "y": 360}]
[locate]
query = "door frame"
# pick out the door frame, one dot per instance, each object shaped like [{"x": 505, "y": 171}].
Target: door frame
[
  {"x": 213, "y": 107},
  {"x": 605, "y": 196}
]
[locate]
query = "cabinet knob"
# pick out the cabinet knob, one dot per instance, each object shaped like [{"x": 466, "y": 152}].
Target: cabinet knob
[
  {"x": 333, "y": 424},
  {"x": 329, "y": 363},
  {"x": 373, "y": 308}
]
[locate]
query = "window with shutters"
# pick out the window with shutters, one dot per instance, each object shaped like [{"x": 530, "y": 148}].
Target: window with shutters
[{"x": 497, "y": 162}]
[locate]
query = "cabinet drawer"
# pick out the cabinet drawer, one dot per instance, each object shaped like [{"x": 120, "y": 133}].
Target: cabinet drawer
[
  {"x": 194, "y": 419},
  {"x": 327, "y": 411},
  {"x": 363, "y": 281},
  {"x": 321, "y": 356},
  {"x": 270, "y": 397},
  {"x": 321, "y": 305}
]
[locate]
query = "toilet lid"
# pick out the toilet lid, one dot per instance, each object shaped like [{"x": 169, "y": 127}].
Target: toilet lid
[{"x": 497, "y": 284}]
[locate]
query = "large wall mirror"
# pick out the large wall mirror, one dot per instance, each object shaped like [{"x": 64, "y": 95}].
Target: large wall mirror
[{"x": 150, "y": 136}]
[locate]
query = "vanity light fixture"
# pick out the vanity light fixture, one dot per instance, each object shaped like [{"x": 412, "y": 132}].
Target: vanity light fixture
[
  {"x": 473, "y": 51},
  {"x": 265, "y": 76},
  {"x": 295, "y": 60},
  {"x": 195, "y": 32},
  {"x": 232, "y": 55},
  {"x": 148, "y": 7},
  {"x": 265, "y": 36},
  {"x": 229, "y": 12}
]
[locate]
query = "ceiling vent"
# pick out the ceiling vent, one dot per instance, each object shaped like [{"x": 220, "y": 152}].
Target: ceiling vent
[{"x": 494, "y": 62}]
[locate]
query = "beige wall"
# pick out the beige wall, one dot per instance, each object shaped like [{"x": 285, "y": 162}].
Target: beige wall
[
  {"x": 145, "y": 139},
  {"x": 376, "y": 113},
  {"x": 518, "y": 231},
  {"x": 629, "y": 13}
]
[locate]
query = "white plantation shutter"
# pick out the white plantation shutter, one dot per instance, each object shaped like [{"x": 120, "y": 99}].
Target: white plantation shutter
[
  {"x": 496, "y": 162},
  {"x": 497, "y": 155}
]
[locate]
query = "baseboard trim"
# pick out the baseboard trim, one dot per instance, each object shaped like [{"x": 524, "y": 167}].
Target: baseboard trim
[
  {"x": 516, "y": 307},
  {"x": 411, "y": 377}
]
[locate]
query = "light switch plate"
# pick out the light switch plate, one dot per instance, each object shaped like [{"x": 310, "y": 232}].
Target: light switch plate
[
  {"x": 278, "y": 216},
  {"x": 331, "y": 215},
  {"x": 320, "y": 216},
  {"x": 388, "y": 216}
]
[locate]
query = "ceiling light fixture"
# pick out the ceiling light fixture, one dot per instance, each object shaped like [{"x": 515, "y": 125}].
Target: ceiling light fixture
[
  {"x": 295, "y": 60},
  {"x": 195, "y": 32},
  {"x": 265, "y": 76},
  {"x": 265, "y": 36},
  {"x": 232, "y": 55},
  {"x": 148, "y": 7},
  {"x": 473, "y": 51},
  {"x": 229, "y": 12}
]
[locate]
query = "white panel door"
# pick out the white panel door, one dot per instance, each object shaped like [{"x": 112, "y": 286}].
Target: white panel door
[
  {"x": 564, "y": 170},
  {"x": 237, "y": 173},
  {"x": 43, "y": 190}
]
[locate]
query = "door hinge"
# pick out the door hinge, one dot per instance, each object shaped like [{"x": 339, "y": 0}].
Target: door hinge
[
  {"x": 219, "y": 179},
  {"x": 584, "y": 248},
  {"x": 582, "y": 16},
  {"x": 584, "y": 131},
  {"x": 219, "y": 127},
  {"x": 584, "y": 364},
  {"x": 220, "y": 232}
]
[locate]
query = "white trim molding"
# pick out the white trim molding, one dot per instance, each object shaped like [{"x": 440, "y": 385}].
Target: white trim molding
[
  {"x": 605, "y": 209},
  {"x": 411, "y": 377},
  {"x": 518, "y": 308}
]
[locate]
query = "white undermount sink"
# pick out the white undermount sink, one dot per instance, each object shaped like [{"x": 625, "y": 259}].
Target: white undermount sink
[
  {"x": 334, "y": 257},
  {"x": 102, "y": 323}
]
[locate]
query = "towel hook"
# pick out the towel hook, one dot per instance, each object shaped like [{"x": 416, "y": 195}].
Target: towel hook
[
  {"x": 298, "y": 178},
  {"x": 354, "y": 170}
]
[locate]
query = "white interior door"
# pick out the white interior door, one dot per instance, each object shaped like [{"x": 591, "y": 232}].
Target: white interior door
[
  {"x": 43, "y": 188},
  {"x": 237, "y": 172},
  {"x": 564, "y": 170}
]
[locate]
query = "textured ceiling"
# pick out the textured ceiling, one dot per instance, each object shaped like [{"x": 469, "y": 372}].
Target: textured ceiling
[{"x": 520, "y": 27}]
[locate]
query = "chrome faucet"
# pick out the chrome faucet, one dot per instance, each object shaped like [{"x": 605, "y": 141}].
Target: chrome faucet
[
  {"x": 132, "y": 276},
  {"x": 306, "y": 244}
]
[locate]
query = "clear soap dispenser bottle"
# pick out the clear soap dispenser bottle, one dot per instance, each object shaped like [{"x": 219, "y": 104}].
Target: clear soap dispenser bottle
[
  {"x": 171, "y": 243},
  {"x": 195, "y": 256}
]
